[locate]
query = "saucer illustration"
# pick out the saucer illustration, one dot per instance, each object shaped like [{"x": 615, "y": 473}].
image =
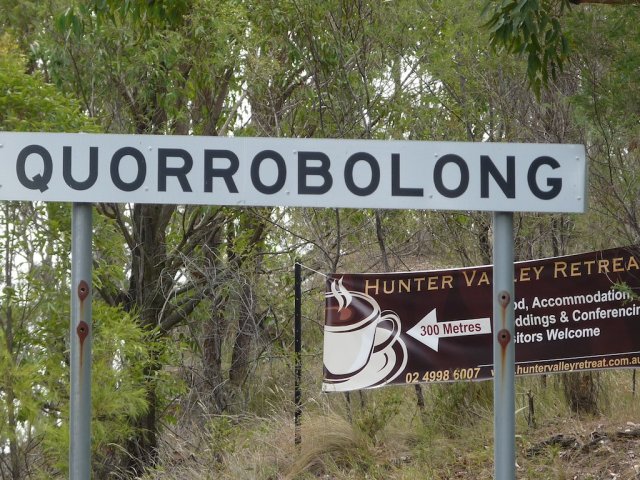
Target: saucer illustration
[{"x": 383, "y": 367}]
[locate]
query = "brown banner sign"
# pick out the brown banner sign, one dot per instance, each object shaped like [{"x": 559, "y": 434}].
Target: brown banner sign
[{"x": 570, "y": 313}]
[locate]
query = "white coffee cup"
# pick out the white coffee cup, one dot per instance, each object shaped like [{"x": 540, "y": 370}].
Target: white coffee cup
[{"x": 350, "y": 339}]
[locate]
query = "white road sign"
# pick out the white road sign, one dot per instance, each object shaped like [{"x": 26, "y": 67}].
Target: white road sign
[{"x": 331, "y": 173}]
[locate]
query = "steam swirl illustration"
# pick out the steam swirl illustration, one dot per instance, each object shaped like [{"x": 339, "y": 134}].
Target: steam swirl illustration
[{"x": 341, "y": 294}]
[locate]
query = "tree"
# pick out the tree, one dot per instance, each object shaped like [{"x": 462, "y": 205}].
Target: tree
[
  {"x": 533, "y": 28},
  {"x": 34, "y": 306},
  {"x": 599, "y": 68},
  {"x": 175, "y": 68}
]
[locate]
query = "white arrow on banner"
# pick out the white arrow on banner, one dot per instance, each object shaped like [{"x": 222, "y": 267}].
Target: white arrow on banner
[{"x": 429, "y": 331}]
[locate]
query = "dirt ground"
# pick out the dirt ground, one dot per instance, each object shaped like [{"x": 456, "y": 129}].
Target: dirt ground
[{"x": 584, "y": 451}]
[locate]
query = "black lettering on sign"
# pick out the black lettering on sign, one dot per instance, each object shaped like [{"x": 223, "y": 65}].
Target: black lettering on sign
[
  {"x": 225, "y": 173},
  {"x": 375, "y": 174},
  {"x": 396, "y": 189},
  {"x": 464, "y": 176},
  {"x": 115, "y": 169},
  {"x": 305, "y": 170},
  {"x": 179, "y": 172},
  {"x": 255, "y": 172},
  {"x": 40, "y": 181},
  {"x": 507, "y": 185},
  {"x": 93, "y": 169},
  {"x": 554, "y": 183}
]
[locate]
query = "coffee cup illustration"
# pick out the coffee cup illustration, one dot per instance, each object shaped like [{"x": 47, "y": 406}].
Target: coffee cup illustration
[{"x": 355, "y": 329}]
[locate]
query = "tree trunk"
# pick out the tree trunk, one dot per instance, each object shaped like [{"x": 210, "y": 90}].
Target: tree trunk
[
  {"x": 149, "y": 285},
  {"x": 581, "y": 392},
  {"x": 214, "y": 330},
  {"x": 212, "y": 341},
  {"x": 248, "y": 257},
  {"x": 241, "y": 355}
]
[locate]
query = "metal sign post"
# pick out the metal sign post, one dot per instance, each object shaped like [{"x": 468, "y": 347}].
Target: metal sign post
[
  {"x": 503, "y": 347},
  {"x": 80, "y": 339}
]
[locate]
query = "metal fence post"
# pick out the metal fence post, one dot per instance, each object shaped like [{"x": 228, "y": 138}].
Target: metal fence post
[{"x": 298, "y": 352}]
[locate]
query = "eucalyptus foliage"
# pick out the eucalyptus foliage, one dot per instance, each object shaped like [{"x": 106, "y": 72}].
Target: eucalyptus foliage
[
  {"x": 35, "y": 307},
  {"x": 531, "y": 28}
]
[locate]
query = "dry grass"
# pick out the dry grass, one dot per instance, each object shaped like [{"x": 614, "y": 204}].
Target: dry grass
[
  {"x": 449, "y": 445},
  {"x": 331, "y": 444}
]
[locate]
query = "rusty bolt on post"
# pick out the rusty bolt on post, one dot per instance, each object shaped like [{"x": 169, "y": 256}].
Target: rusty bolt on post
[
  {"x": 83, "y": 290},
  {"x": 504, "y": 298},
  {"x": 82, "y": 330},
  {"x": 504, "y": 337}
]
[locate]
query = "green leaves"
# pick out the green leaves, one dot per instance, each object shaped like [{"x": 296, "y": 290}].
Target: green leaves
[
  {"x": 70, "y": 22},
  {"x": 28, "y": 103},
  {"x": 530, "y": 28}
]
